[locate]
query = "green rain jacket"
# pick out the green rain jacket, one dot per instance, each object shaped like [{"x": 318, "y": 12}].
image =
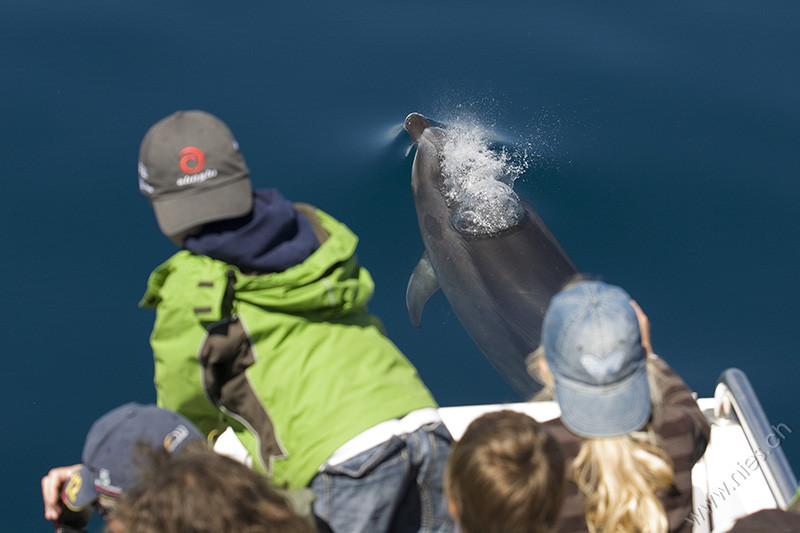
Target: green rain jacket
[{"x": 292, "y": 360}]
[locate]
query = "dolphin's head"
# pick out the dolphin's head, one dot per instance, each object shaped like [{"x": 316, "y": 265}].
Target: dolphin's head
[
  {"x": 455, "y": 177},
  {"x": 415, "y": 124}
]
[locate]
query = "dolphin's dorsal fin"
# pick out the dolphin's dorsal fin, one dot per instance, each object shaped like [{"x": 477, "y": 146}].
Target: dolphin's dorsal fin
[
  {"x": 415, "y": 125},
  {"x": 421, "y": 285}
]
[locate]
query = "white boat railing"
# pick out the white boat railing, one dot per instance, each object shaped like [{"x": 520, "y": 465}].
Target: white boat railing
[
  {"x": 743, "y": 470},
  {"x": 736, "y": 401}
]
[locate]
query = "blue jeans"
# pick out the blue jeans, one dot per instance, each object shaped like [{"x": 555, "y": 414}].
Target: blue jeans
[{"x": 393, "y": 487}]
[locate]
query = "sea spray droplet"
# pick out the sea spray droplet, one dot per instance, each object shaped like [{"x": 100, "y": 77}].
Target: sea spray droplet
[{"x": 478, "y": 181}]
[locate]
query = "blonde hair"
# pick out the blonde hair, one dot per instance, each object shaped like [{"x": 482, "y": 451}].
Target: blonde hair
[{"x": 620, "y": 478}]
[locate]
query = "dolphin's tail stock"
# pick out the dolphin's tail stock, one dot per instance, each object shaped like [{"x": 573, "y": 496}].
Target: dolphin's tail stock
[{"x": 415, "y": 124}]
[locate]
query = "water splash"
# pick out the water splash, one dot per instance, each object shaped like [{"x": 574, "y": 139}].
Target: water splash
[{"x": 479, "y": 179}]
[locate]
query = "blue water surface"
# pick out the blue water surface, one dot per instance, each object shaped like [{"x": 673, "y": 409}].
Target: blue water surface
[{"x": 666, "y": 141}]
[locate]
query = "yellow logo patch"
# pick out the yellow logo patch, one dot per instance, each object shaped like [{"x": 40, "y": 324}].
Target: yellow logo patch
[{"x": 73, "y": 486}]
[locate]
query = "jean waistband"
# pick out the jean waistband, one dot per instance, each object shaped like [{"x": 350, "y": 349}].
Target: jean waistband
[{"x": 380, "y": 433}]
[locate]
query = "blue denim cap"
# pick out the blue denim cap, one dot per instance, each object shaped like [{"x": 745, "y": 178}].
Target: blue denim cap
[
  {"x": 594, "y": 349},
  {"x": 109, "y": 458}
]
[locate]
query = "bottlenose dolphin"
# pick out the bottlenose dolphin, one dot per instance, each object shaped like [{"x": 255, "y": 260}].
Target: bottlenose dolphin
[{"x": 498, "y": 284}]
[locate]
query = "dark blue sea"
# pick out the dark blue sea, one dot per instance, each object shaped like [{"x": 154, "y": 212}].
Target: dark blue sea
[{"x": 667, "y": 160}]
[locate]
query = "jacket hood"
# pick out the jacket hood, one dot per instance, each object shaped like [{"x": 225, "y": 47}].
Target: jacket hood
[{"x": 330, "y": 282}]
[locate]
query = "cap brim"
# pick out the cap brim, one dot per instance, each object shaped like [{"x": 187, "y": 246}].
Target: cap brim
[
  {"x": 178, "y": 214},
  {"x": 85, "y": 495},
  {"x": 608, "y": 411}
]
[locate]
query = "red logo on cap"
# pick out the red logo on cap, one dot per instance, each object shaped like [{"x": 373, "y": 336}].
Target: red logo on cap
[{"x": 192, "y": 160}]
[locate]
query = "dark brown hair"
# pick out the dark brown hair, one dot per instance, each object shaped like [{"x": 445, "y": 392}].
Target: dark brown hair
[
  {"x": 199, "y": 491},
  {"x": 506, "y": 474}
]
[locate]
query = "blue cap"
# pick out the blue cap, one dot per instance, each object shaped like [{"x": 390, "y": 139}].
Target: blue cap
[
  {"x": 109, "y": 452},
  {"x": 593, "y": 347}
]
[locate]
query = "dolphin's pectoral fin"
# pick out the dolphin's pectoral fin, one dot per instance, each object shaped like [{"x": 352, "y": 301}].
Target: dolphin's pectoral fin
[{"x": 421, "y": 285}]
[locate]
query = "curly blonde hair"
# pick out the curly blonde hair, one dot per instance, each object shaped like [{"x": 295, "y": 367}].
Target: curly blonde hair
[{"x": 620, "y": 478}]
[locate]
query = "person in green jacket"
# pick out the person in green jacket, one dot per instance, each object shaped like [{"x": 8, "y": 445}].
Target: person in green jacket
[{"x": 262, "y": 326}]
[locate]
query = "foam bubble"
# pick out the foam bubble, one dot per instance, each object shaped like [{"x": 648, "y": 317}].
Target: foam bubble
[{"x": 479, "y": 180}]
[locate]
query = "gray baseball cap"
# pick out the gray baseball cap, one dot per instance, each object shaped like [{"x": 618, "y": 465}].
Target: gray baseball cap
[
  {"x": 191, "y": 170},
  {"x": 593, "y": 347}
]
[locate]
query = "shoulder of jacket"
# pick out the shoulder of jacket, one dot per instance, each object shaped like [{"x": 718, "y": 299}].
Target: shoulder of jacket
[{"x": 198, "y": 280}]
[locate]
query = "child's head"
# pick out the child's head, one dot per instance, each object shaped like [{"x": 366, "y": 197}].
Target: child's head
[
  {"x": 506, "y": 474},
  {"x": 593, "y": 347},
  {"x": 201, "y": 491}
]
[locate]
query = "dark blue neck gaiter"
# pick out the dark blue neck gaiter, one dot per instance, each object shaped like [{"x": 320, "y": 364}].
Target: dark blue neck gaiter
[{"x": 271, "y": 238}]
